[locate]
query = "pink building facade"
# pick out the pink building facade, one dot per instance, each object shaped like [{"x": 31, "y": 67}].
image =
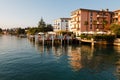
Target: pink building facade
[
  {"x": 86, "y": 20},
  {"x": 116, "y": 17}
]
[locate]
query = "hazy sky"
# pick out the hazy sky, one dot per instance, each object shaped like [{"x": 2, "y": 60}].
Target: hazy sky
[{"x": 24, "y": 13}]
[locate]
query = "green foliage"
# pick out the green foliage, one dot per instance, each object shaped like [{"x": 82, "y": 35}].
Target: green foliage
[
  {"x": 20, "y": 31},
  {"x": 104, "y": 23},
  {"x": 65, "y": 32},
  {"x": 83, "y": 36},
  {"x": 94, "y": 22},
  {"x": 86, "y": 23},
  {"x": 32, "y": 31},
  {"x": 35, "y": 30},
  {"x": 11, "y": 31},
  {"x": 49, "y": 27},
  {"x": 98, "y": 37},
  {"x": 0, "y": 30},
  {"x": 115, "y": 28},
  {"x": 104, "y": 37},
  {"x": 42, "y": 27},
  {"x": 41, "y": 24}
]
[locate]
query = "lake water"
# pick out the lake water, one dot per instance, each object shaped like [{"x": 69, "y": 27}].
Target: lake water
[{"x": 21, "y": 59}]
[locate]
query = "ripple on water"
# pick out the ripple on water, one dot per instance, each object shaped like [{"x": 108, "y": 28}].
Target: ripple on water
[{"x": 22, "y": 60}]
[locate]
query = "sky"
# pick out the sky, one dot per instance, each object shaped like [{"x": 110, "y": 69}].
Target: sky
[{"x": 27, "y": 13}]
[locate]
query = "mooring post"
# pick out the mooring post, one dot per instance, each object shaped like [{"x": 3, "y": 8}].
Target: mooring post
[
  {"x": 52, "y": 40},
  {"x": 68, "y": 40},
  {"x": 61, "y": 39},
  {"x": 43, "y": 39},
  {"x": 92, "y": 41}
]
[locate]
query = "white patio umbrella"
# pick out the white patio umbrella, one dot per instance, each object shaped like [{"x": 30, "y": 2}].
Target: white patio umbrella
[
  {"x": 101, "y": 32},
  {"x": 51, "y": 33},
  {"x": 90, "y": 32},
  {"x": 85, "y": 32},
  {"x": 41, "y": 33}
]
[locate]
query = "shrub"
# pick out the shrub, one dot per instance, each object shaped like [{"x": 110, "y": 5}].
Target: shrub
[{"x": 104, "y": 37}]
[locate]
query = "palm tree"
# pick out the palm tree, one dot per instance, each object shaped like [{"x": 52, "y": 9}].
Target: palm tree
[
  {"x": 104, "y": 23},
  {"x": 94, "y": 23},
  {"x": 115, "y": 28}
]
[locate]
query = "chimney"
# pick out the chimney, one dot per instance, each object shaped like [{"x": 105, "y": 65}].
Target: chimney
[{"x": 107, "y": 9}]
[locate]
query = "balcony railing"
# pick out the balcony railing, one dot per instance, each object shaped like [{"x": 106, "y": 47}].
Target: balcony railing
[
  {"x": 102, "y": 16},
  {"x": 116, "y": 16},
  {"x": 99, "y": 22}
]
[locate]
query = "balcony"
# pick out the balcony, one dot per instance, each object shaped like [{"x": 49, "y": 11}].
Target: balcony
[
  {"x": 99, "y": 23},
  {"x": 101, "y": 16},
  {"x": 78, "y": 21},
  {"x": 116, "y": 16},
  {"x": 75, "y": 15},
  {"x": 78, "y": 29}
]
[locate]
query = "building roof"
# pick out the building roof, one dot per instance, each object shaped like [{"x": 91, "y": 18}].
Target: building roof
[
  {"x": 65, "y": 18},
  {"x": 117, "y": 10},
  {"x": 92, "y": 10},
  {"x": 62, "y": 19}
]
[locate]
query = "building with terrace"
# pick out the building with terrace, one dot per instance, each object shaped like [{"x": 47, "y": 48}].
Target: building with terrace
[
  {"x": 90, "y": 21},
  {"x": 116, "y": 17}
]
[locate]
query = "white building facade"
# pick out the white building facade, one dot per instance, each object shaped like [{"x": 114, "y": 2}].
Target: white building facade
[{"x": 61, "y": 24}]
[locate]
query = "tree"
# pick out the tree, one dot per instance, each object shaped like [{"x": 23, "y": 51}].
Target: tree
[
  {"x": 32, "y": 31},
  {"x": 0, "y": 30},
  {"x": 104, "y": 23},
  {"x": 49, "y": 27},
  {"x": 86, "y": 24},
  {"x": 20, "y": 31},
  {"x": 41, "y": 25},
  {"x": 115, "y": 28}
]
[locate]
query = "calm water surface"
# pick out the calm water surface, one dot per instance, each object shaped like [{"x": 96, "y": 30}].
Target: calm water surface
[{"x": 21, "y": 59}]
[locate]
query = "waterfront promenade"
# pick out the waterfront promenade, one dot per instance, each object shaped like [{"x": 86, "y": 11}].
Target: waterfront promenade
[{"x": 68, "y": 40}]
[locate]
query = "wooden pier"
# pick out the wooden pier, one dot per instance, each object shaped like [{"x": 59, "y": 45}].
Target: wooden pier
[
  {"x": 68, "y": 41},
  {"x": 59, "y": 42},
  {"x": 42, "y": 40}
]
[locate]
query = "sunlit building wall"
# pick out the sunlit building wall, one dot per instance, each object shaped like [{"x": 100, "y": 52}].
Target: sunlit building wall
[
  {"x": 94, "y": 19},
  {"x": 116, "y": 17},
  {"x": 61, "y": 24}
]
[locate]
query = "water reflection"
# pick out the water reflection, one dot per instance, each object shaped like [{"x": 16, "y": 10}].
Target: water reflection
[
  {"x": 100, "y": 59},
  {"x": 117, "y": 72},
  {"x": 75, "y": 58},
  {"x": 96, "y": 60}
]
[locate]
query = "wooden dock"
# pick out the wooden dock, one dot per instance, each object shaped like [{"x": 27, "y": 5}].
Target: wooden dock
[
  {"x": 59, "y": 42},
  {"x": 69, "y": 41}
]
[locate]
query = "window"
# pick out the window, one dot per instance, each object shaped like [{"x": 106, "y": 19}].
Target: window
[
  {"x": 91, "y": 14},
  {"x": 66, "y": 21},
  {"x": 91, "y": 20},
  {"x": 90, "y": 26},
  {"x": 66, "y": 25}
]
